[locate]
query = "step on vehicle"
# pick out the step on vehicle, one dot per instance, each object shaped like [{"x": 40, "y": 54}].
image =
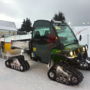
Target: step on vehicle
[{"x": 55, "y": 44}]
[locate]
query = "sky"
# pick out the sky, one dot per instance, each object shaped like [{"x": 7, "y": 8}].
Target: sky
[{"x": 77, "y": 12}]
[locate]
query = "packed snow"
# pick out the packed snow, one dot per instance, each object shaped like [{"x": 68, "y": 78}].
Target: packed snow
[{"x": 36, "y": 78}]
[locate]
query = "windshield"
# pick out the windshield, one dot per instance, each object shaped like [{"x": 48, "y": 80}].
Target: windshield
[{"x": 65, "y": 34}]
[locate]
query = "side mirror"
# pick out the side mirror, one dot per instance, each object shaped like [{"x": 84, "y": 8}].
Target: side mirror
[{"x": 80, "y": 37}]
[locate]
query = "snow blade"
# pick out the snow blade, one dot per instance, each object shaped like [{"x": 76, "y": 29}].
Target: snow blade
[
  {"x": 17, "y": 63},
  {"x": 65, "y": 74}
]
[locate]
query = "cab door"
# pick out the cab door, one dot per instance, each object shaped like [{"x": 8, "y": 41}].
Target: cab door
[{"x": 43, "y": 40}]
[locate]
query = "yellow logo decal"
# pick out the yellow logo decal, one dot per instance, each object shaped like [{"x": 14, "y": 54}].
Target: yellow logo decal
[{"x": 34, "y": 49}]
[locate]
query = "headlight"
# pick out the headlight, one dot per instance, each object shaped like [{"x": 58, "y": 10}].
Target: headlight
[
  {"x": 84, "y": 49},
  {"x": 71, "y": 53}
]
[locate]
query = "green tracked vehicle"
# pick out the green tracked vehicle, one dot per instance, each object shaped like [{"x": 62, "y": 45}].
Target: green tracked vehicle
[{"x": 55, "y": 44}]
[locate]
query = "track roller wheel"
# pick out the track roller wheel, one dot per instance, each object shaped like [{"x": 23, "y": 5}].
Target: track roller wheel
[{"x": 52, "y": 74}]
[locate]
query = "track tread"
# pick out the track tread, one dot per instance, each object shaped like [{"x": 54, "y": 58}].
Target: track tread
[
  {"x": 71, "y": 71},
  {"x": 21, "y": 60}
]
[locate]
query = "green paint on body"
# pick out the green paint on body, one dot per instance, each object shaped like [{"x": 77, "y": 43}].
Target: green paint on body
[{"x": 60, "y": 55}]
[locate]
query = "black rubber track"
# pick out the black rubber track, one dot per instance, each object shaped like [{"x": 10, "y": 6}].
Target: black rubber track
[
  {"x": 74, "y": 72},
  {"x": 23, "y": 63}
]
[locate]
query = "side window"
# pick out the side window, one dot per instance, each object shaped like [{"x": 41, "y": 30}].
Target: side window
[
  {"x": 36, "y": 34},
  {"x": 40, "y": 32}
]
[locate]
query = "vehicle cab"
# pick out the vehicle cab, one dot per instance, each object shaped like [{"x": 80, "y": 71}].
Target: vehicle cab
[{"x": 55, "y": 40}]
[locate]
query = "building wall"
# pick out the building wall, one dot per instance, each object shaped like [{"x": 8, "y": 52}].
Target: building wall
[{"x": 7, "y": 33}]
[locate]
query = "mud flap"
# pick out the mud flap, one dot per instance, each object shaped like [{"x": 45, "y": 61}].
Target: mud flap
[
  {"x": 65, "y": 74},
  {"x": 17, "y": 63}
]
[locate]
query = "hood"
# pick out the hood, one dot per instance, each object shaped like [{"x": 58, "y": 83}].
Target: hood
[{"x": 72, "y": 47}]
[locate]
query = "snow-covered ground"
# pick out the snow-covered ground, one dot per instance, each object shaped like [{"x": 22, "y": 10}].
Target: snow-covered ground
[{"x": 36, "y": 78}]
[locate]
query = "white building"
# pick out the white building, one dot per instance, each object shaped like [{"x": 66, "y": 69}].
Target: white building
[{"x": 7, "y": 28}]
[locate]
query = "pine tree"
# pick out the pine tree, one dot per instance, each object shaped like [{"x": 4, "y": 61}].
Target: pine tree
[
  {"x": 23, "y": 26},
  {"x": 26, "y": 26}
]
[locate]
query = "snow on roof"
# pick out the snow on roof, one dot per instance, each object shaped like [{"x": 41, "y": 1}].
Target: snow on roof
[{"x": 7, "y": 25}]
